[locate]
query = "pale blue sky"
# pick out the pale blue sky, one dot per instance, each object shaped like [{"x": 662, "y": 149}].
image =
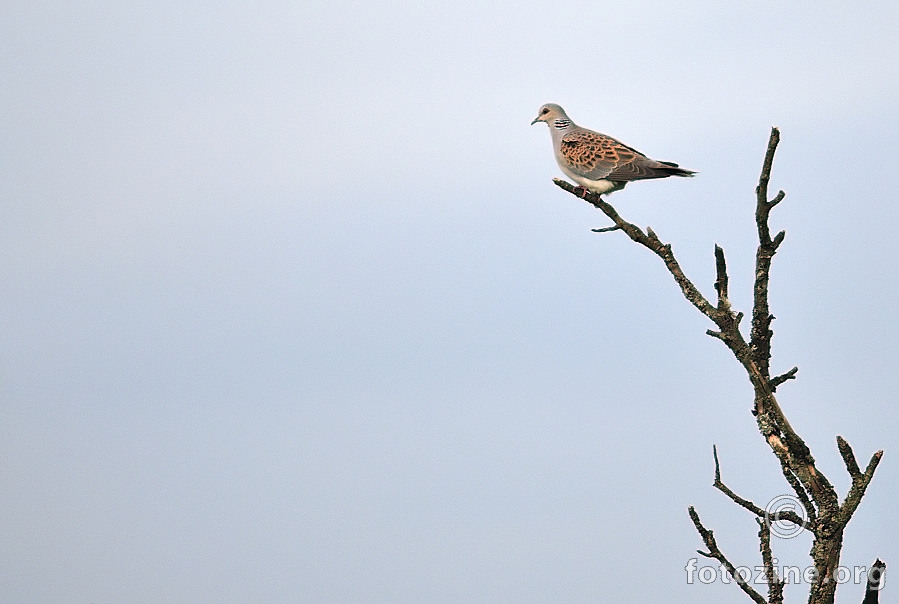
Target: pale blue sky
[{"x": 291, "y": 311}]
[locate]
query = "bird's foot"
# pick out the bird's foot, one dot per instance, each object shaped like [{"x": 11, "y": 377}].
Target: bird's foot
[{"x": 581, "y": 192}]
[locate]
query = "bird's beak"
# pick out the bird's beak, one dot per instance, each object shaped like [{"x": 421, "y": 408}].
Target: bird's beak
[{"x": 536, "y": 119}]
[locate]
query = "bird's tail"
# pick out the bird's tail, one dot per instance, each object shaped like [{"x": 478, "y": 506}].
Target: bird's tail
[{"x": 673, "y": 169}]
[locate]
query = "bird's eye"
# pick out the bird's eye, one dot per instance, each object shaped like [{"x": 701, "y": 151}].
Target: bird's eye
[{"x": 545, "y": 110}]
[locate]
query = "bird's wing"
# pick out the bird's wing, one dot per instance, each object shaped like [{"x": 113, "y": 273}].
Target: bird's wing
[
  {"x": 637, "y": 169},
  {"x": 596, "y": 156},
  {"x": 643, "y": 167}
]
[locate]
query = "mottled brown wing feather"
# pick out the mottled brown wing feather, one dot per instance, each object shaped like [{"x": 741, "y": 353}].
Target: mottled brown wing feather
[
  {"x": 643, "y": 168},
  {"x": 595, "y": 155},
  {"x": 635, "y": 170}
]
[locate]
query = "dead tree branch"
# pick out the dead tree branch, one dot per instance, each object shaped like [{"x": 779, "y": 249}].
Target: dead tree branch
[
  {"x": 775, "y": 583},
  {"x": 748, "y": 505},
  {"x": 708, "y": 537},
  {"x": 827, "y": 517}
]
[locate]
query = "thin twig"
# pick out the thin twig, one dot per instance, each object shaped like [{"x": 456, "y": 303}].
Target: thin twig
[
  {"x": 721, "y": 280},
  {"x": 848, "y": 458},
  {"x": 780, "y": 379},
  {"x": 775, "y": 583},
  {"x": 709, "y": 539},
  {"x": 745, "y": 503}
]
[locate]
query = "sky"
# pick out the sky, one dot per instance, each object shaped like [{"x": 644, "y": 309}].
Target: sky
[{"x": 291, "y": 311}]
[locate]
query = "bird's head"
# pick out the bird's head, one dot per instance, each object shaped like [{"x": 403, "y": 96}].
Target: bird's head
[{"x": 548, "y": 113}]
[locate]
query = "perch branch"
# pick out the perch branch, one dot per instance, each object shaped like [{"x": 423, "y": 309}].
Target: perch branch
[{"x": 649, "y": 240}]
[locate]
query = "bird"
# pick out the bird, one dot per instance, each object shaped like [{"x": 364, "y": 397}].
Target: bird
[{"x": 598, "y": 162}]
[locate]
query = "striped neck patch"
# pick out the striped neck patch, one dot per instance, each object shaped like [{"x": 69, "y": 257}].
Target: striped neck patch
[{"x": 561, "y": 124}]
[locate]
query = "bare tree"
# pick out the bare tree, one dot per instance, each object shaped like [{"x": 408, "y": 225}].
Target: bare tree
[{"x": 826, "y": 517}]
